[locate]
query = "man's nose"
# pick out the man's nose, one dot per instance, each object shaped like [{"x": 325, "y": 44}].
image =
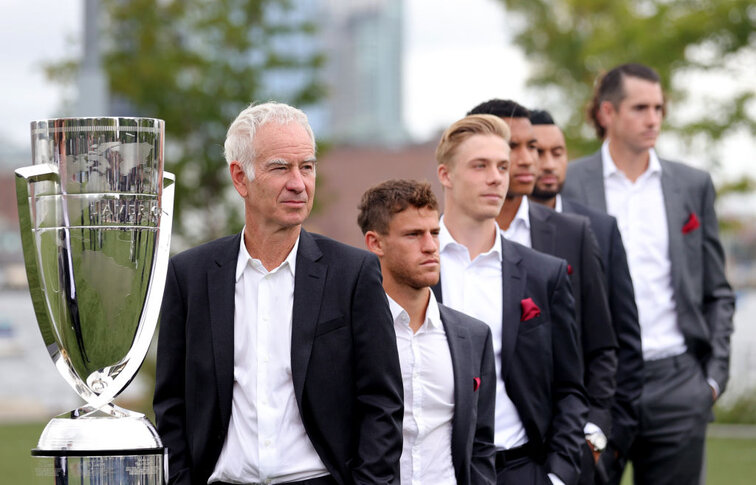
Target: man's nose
[
  {"x": 295, "y": 183},
  {"x": 429, "y": 244}
]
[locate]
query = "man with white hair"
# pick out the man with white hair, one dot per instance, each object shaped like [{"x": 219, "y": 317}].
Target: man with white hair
[{"x": 277, "y": 358}]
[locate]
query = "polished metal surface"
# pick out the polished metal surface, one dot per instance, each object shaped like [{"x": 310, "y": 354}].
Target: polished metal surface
[{"x": 95, "y": 210}]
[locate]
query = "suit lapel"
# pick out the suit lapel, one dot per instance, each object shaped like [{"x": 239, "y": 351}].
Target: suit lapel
[
  {"x": 593, "y": 182},
  {"x": 677, "y": 214},
  {"x": 437, "y": 290},
  {"x": 309, "y": 282},
  {"x": 221, "y": 283},
  {"x": 513, "y": 286},
  {"x": 541, "y": 232},
  {"x": 459, "y": 346}
]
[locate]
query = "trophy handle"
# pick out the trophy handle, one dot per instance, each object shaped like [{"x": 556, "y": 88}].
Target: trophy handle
[{"x": 26, "y": 176}]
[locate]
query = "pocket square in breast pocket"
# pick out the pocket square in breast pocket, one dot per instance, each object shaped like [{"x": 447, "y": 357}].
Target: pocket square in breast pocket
[
  {"x": 529, "y": 309},
  {"x": 692, "y": 224}
]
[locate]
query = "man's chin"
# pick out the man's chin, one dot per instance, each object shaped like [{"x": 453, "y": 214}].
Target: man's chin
[{"x": 541, "y": 194}]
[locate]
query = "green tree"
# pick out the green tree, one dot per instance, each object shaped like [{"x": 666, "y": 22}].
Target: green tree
[
  {"x": 570, "y": 42},
  {"x": 196, "y": 64}
]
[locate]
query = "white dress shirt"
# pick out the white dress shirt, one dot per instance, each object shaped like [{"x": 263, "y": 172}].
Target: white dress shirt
[
  {"x": 558, "y": 205},
  {"x": 428, "y": 379},
  {"x": 519, "y": 229},
  {"x": 640, "y": 211},
  {"x": 266, "y": 440},
  {"x": 475, "y": 287}
]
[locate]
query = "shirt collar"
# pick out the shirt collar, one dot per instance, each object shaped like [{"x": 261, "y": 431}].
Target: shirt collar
[
  {"x": 432, "y": 314},
  {"x": 244, "y": 259},
  {"x": 447, "y": 241},
  {"x": 559, "y": 207},
  {"x": 610, "y": 168},
  {"x": 523, "y": 213}
]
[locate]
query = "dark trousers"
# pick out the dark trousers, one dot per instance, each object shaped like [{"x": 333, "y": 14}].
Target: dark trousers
[
  {"x": 523, "y": 470},
  {"x": 675, "y": 409}
]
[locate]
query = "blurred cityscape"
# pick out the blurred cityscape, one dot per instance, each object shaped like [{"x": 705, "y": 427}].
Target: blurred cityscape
[{"x": 362, "y": 120}]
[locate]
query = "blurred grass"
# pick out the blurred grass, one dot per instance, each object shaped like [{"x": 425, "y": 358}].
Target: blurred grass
[
  {"x": 16, "y": 442},
  {"x": 731, "y": 461}
]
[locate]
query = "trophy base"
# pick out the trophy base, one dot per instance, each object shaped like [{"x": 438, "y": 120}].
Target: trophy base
[
  {"x": 109, "y": 446},
  {"x": 142, "y": 469}
]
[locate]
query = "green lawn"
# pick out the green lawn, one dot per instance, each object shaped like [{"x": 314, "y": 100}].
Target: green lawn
[
  {"x": 731, "y": 461},
  {"x": 16, "y": 462}
]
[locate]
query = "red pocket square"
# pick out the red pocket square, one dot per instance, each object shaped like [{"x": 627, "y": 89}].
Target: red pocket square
[
  {"x": 569, "y": 269},
  {"x": 476, "y": 383},
  {"x": 529, "y": 309},
  {"x": 692, "y": 224}
]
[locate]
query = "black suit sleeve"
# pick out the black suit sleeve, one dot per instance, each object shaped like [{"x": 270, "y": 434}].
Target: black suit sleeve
[
  {"x": 378, "y": 382},
  {"x": 630, "y": 355},
  {"x": 482, "y": 469},
  {"x": 565, "y": 436},
  {"x": 169, "y": 405},
  {"x": 597, "y": 337}
]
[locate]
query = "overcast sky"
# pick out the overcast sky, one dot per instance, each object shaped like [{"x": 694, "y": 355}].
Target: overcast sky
[{"x": 455, "y": 57}]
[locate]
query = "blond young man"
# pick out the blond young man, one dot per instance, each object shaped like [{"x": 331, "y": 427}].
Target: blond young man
[{"x": 524, "y": 297}]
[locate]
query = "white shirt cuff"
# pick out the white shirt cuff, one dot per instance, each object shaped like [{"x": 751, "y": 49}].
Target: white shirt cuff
[
  {"x": 714, "y": 386},
  {"x": 591, "y": 428},
  {"x": 555, "y": 479}
]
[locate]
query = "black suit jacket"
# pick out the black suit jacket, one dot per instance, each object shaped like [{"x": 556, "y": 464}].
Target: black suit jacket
[
  {"x": 624, "y": 313},
  {"x": 471, "y": 349},
  {"x": 345, "y": 367},
  {"x": 569, "y": 237},
  {"x": 541, "y": 363},
  {"x": 704, "y": 300}
]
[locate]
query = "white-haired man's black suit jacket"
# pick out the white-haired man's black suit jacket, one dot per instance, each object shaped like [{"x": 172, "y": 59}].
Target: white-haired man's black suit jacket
[{"x": 344, "y": 361}]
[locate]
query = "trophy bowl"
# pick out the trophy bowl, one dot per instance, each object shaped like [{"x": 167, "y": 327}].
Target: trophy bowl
[{"x": 95, "y": 210}]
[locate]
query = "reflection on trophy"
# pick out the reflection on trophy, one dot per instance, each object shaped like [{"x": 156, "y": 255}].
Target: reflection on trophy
[{"x": 95, "y": 210}]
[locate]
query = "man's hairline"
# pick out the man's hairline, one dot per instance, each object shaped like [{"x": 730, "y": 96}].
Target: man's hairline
[
  {"x": 623, "y": 91},
  {"x": 392, "y": 215}
]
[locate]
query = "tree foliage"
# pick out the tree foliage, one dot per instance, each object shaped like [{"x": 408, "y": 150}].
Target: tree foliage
[
  {"x": 570, "y": 42},
  {"x": 196, "y": 64}
]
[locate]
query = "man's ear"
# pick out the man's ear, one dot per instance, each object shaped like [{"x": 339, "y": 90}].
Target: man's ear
[
  {"x": 606, "y": 112},
  {"x": 373, "y": 243},
  {"x": 238, "y": 177},
  {"x": 444, "y": 177}
]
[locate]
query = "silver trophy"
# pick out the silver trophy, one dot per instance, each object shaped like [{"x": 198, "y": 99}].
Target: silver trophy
[{"x": 95, "y": 210}]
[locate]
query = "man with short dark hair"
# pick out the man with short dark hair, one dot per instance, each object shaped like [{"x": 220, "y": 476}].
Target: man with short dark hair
[
  {"x": 569, "y": 237},
  {"x": 446, "y": 357},
  {"x": 552, "y": 169},
  {"x": 525, "y": 298},
  {"x": 665, "y": 212},
  {"x": 277, "y": 358}
]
